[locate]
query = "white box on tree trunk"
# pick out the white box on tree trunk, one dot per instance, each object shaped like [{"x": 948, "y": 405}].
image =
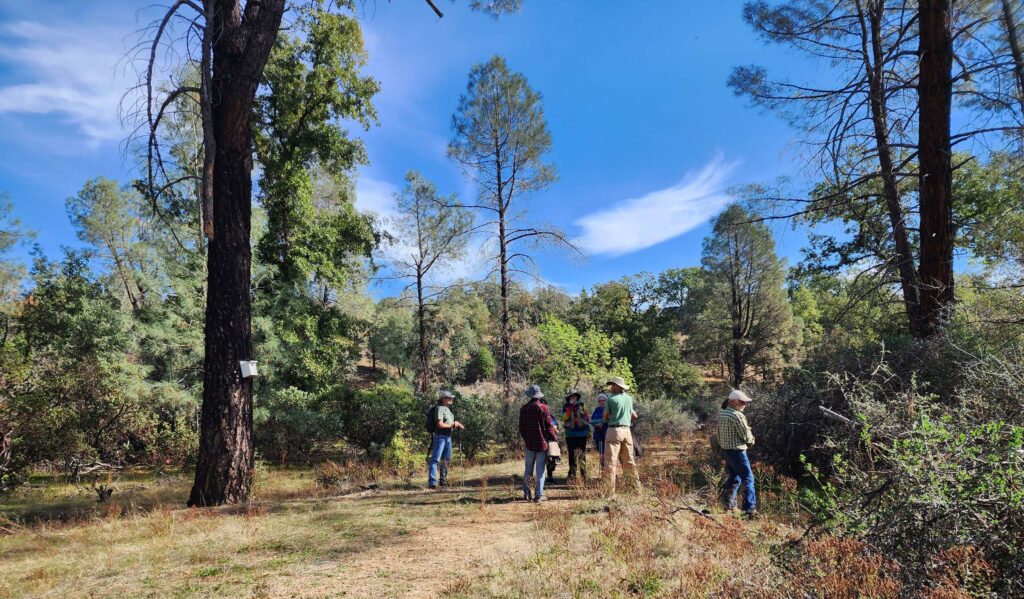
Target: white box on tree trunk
[{"x": 248, "y": 368}]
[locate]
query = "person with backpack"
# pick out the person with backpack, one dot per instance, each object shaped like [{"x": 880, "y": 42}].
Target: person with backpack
[
  {"x": 440, "y": 424},
  {"x": 537, "y": 430},
  {"x": 554, "y": 451},
  {"x": 576, "y": 423}
]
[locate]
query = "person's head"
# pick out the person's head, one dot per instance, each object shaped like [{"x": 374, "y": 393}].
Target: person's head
[
  {"x": 572, "y": 397},
  {"x": 617, "y": 385},
  {"x": 601, "y": 398},
  {"x": 534, "y": 392},
  {"x": 446, "y": 398},
  {"x": 738, "y": 399}
]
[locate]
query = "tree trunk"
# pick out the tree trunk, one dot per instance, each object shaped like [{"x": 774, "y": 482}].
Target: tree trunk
[
  {"x": 736, "y": 313},
  {"x": 506, "y": 345},
  {"x": 935, "y": 90},
  {"x": 421, "y": 314},
  {"x": 241, "y": 47},
  {"x": 904, "y": 257},
  {"x": 1015, "y": 50}
]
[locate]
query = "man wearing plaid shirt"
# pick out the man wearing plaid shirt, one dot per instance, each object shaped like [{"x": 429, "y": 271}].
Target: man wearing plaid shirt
[{"x": 734, "y": 436}]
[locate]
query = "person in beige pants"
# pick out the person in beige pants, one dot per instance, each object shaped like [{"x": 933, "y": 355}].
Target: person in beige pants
[{"x": 618, "y": 442}]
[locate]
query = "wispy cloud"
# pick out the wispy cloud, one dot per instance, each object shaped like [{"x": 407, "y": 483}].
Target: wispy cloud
[
  {"x": 660, "y": 215},
  {"x": 71, "y": 71}
]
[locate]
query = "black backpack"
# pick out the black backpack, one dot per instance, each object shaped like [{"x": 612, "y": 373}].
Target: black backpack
[{"x": 431, "y": 416}]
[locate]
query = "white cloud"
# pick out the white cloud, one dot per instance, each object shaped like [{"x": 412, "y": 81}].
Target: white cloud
[
  {"x": 73, "y": 71},
  {"x": 660, "y": 215}
]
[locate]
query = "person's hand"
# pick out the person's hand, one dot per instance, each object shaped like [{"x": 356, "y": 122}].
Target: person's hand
[{"x": 457, "y": 424}]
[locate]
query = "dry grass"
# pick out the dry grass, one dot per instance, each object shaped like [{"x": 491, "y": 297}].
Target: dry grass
[{"x": 300, "y": 538}]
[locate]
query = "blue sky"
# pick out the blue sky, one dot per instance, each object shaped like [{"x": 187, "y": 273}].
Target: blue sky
[{"x": 647, "y": 137}]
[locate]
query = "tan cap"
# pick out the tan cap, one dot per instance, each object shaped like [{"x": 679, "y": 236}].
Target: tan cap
[
  {"x": 617, "y": 380},
  {"x": 739, "y": 396}
]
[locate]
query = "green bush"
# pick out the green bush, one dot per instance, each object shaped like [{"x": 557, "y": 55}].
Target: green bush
[
  {"x": 372, "y": 417},
  {"x": 481, "y": 367},
  {"x": 936, "y": 486},
  {"x": 479, "y": 414},
  {"x": 293, "y": 424}
]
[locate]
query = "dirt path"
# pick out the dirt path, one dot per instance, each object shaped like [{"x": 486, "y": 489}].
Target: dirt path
[{"x": 461, "y": 533}]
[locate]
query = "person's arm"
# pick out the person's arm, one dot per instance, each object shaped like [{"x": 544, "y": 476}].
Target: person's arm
[{"x": 633, "y": 416}]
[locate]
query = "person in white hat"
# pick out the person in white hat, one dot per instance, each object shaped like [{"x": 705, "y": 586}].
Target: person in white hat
[
  {"x": 735, "y": 436},
  {"x": 618, "y": 443}
]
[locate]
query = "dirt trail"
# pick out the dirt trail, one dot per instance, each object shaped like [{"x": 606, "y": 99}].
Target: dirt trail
[{"x": 456, "y": 539}]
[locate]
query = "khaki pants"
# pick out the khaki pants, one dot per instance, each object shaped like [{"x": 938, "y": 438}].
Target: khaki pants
[{"x": 618, "y": 445}]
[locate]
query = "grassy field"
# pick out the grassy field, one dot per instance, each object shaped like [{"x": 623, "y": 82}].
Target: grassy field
[{"x": 477, "y": 539}]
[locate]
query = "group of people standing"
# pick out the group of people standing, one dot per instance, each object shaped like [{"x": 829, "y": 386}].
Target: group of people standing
[{"x": 610, "y": 426}]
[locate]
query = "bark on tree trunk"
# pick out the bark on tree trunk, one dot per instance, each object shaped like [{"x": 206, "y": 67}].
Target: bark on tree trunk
[
  {"x": 421, "y": 315},
  {"x": 240, "y": 50},
  {"x": 506, "y": 346},
  {"x": 935, "y": 90},
  {"x": 890, "y": 190},
  {"x": 1015, "y": 50}
]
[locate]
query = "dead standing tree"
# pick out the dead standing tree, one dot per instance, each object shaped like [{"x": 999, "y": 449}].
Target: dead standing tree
[{"x": 500, "y": 138}]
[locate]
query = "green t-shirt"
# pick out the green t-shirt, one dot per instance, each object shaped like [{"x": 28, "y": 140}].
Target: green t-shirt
[
  {"x": 445, "y": 415},
  {"x": 619, "y": 409}
]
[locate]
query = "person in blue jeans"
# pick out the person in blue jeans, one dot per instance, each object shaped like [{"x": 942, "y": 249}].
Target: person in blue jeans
[
  {"x": 597, "y": 424},
  {"x": 537, "y": 430},
  {"x": 735, "y": 436},
  {"x": 441, "y": 439}
]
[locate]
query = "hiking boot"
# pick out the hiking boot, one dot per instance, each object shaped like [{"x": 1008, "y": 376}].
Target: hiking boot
[
  {"x": 542, "y": 499},
  {"x": 750, "y": 514},
  {"x": 431, "y": 487}
]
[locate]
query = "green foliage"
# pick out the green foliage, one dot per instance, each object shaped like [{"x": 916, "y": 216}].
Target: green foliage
[
  {"x": 664, "y": 371},
  {"x": 291, "y": 424},
  {"x": 83, "y": 398},
  {"x": 372, "y": 417},
  {"x": 935, "y": 486},
  {"x": 574, "y": 360},
  {"x": 312, "y": 83},
  {"x": 480, "y": 415},
  {"x": 482, "y": 366},
  {"x": 748, "y": 319},
  {"x": 661, "y": 416}
]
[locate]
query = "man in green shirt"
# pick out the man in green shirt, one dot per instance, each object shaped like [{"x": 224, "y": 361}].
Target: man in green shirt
[
  {"x": 441, "y": 440},
  {"x": 618, "y": 443}
]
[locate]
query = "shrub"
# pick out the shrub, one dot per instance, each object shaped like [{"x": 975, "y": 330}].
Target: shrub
[
  {"x": 400, "y": 458},
  {"x": 663, "y": 417},
  {"x": 935, "y": 484},
  {"x": 479, "y": 414},
  {"x": 293, "y": 424},
  {"x": 482, "y": 365},
  {"x": 372, "y": 417}
]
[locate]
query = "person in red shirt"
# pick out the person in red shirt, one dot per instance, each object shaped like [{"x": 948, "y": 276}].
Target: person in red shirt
[{"x": 536, "y": 429}]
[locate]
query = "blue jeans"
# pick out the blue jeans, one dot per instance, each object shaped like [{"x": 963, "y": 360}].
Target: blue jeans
[
  {"x": 440, "y": 450},
  {"x": 535, "y": 464},
  {"x": 738, "y": 465}
]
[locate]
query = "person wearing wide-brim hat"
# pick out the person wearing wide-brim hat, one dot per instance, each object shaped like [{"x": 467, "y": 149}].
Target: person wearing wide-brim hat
[
  {"x": 537, "y": 430},
  {"x": 440, "y": 456},
  {"x": 619, "y": 416},
  {"x": 576, "y": 422},
  {"x": 735, "y": 436}
]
